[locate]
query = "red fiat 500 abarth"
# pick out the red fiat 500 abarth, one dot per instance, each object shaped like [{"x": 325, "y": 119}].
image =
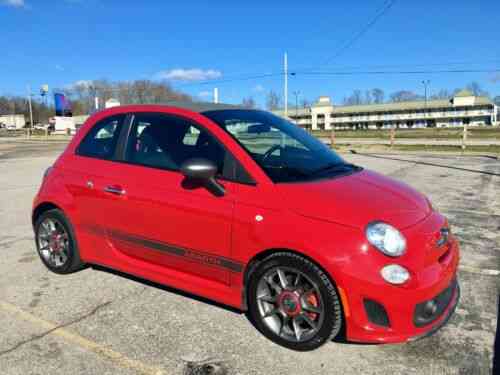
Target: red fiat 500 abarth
[{"x": 247, "y": 209}]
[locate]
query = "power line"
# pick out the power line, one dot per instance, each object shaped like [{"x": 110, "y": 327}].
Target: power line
[
  {"x": 327, "y": 73},
  {"x": 387, "y": 5},
  {"x": 403, "y": 66},
  {"x": 446, "y": 71},
  {"x": 350, "y": 42},
  {"x": 338, "y": 73}
]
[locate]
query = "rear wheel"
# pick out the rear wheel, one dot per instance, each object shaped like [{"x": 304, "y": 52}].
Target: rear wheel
[
  {"x": 293, "y": 302},
  {"x": 56, "y": 243}
]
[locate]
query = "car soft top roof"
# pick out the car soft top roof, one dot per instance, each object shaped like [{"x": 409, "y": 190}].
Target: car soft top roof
[{"x": 201, "y": 106}]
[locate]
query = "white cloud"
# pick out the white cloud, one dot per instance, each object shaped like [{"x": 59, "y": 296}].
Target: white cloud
[
  {"x": 258, "y": 88},
  {"x": 80, "y": 83},
  {"x": 189, "y": 74},
  {"x": 14, "y": 3},
  {"x": 205, "y": 94},
  {"x": 59, "y": 67}
]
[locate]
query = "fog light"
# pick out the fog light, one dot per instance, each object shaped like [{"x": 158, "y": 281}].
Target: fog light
[
  {"x": 395, "y": 274},
  {"x": 430, "y": 308}
]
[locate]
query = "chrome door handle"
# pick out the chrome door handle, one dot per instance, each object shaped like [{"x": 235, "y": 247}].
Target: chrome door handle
[{"x": 115, "y": 190}]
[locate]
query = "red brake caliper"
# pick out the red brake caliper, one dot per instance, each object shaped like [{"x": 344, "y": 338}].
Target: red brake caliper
[{"x": 313, "y": 301}]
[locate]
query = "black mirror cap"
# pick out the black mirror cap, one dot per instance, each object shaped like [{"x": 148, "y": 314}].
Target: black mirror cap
[{"x": 199, "y": 169}]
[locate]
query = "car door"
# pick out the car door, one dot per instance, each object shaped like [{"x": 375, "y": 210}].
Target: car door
[
  {"x": 153, "y": 217},
  {"x": 86, "y": 174}
]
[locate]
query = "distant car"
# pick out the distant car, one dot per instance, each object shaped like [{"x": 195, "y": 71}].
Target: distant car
[
  {"x": 247, "y": 209},
  {"x": 11, "y": 127},
  {"x": 42, "y": 126},
  {"x": 2, "y": 125}
]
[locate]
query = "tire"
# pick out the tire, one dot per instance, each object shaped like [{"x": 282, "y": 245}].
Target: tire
[
  {"x": 290, "y": 321},
  {"x": 68, "y": 248}
]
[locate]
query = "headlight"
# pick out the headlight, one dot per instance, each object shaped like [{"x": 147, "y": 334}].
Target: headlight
[
  {"x": 395, "y": 274},
  {"x": 386, "y": 238}
]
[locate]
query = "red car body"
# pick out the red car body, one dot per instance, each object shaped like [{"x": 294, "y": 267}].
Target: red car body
[{"x": 218, "y": 237}]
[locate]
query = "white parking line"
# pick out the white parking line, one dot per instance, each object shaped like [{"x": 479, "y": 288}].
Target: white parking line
[
  {"x": 479, "y": 271},
  {"x": 101, "y": 350}
]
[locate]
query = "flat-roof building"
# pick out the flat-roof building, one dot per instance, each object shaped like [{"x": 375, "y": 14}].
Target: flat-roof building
[
  {"x": 462, "y": 109},
  {"x": 13, "y": 121}
]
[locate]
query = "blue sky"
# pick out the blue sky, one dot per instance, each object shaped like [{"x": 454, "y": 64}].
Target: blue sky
[{"x": 60, "y": 42}]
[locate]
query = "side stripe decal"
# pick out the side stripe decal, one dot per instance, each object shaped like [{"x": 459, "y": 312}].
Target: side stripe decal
[{"x": 194, "y": 255}]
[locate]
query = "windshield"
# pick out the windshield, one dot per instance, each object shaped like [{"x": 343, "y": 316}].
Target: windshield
[{"x": 283, "y": 150}]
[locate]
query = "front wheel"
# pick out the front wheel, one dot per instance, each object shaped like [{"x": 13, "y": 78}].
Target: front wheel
[{"x": 293, "y": 302}]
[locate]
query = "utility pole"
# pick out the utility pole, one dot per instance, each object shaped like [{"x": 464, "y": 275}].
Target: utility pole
[
  {"x": 31, "y": 108},
  {"x": 285, "y": 61},
  {"x": 426, "y": 83}
]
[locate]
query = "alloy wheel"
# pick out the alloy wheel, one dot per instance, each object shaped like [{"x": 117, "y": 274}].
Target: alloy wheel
[
  {"x": 53, "y": 242},
  {"x": 290, "y": 304}
]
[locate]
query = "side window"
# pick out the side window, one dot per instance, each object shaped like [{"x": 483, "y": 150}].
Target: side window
[
  {"x": 164, "y": 141},
  {"x": 101, "y": 141}
]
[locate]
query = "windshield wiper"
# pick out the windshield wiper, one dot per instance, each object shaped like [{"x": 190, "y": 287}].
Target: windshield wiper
[
  {"x": 333, "y": 166},
  {"x": 296, "y": 171}
]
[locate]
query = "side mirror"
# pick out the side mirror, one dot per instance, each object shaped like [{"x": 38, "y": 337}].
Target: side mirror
[{"x": 201, "y": 172}]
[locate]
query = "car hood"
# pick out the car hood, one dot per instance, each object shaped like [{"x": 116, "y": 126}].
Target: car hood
[{"x": 358, "y": 199}]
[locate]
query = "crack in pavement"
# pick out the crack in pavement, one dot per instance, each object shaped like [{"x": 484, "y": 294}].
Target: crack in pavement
[
  {"x": 64, "y": 325},
  {"x": 9, "y": 243}
]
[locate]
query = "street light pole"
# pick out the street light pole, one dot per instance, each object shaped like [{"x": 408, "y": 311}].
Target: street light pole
[
  {"x": 285, "y": 63},
  {"x": 296, "y": 93},
  {"x": 31, "y": 108}
]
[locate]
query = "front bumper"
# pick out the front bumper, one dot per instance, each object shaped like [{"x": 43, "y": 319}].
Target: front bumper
[
  {"x": 445, "y": 318},
  {"x": 400, "y": 305}
]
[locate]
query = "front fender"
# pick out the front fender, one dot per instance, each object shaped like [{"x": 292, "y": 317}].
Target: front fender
[{"x": 331, "y": 246}]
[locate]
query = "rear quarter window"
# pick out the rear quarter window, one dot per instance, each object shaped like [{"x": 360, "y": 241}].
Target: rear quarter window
[{"x": 102, "y": 139}]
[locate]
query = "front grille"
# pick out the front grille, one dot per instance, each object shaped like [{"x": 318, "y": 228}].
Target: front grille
[
  {"x": 376, "y": 313},
  {"x": 428, "y": 311}
]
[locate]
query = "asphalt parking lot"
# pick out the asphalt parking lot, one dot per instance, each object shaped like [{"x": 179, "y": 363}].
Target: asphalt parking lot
[{"x": 97, "y": 322}]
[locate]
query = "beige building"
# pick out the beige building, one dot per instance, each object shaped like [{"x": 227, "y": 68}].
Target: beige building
[
  {"x": 463, "y": 108},
  {"x": 13, "y": 121}
]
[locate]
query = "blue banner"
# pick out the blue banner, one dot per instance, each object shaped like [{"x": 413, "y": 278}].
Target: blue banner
[{"x": 62, "y": 104}]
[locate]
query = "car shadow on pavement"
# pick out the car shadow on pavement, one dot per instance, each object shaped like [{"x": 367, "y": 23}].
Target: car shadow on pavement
[
  {"x": 340, "y": 339},
  {"x": 167, "y": 288}
]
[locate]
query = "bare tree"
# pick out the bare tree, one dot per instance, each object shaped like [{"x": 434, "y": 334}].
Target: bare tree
[
  {"x": 368, "y": 97},
  {"x": 304, "y": 103},
  {"x": 476, "y": 89},
  {"x": 403, "y": 96},
  {"x": 441, "y": 94},
  {"x": 378, "y": 95},
  {"x": 354, "y": 99},
  {"x": 10, "y": 105},
  {"x": 273, "y": 101},
  {"x": 248, "y": 102},
  {"x": 83, "y": 94}
]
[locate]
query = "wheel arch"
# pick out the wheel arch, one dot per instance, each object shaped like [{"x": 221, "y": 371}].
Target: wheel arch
[{"x": 41, "y": 208}]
